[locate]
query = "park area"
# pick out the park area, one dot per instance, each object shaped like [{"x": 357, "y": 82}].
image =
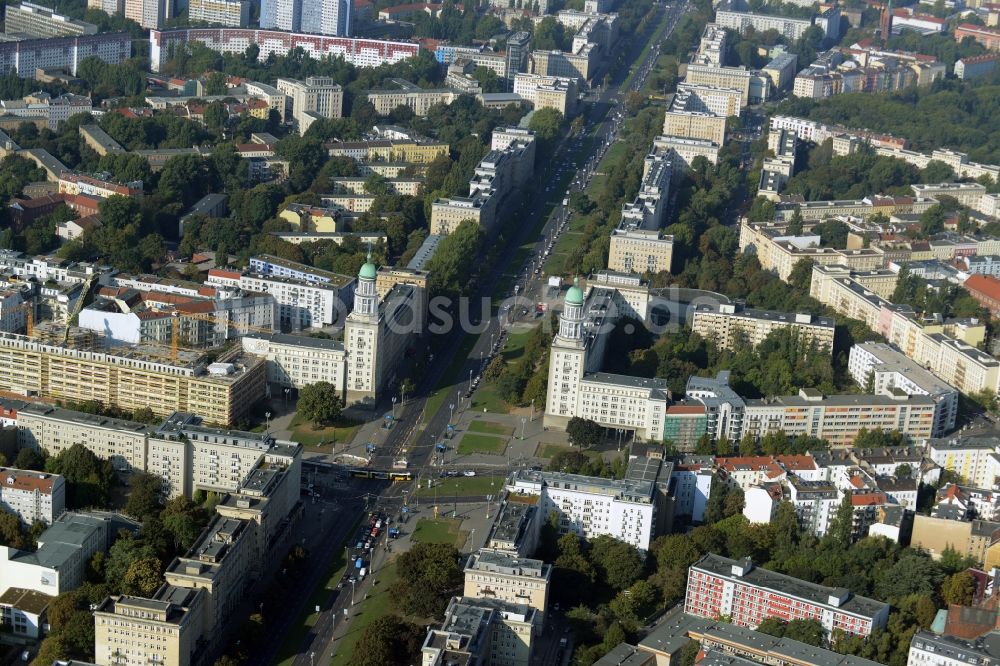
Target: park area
[{"x": 440, "y": 530}]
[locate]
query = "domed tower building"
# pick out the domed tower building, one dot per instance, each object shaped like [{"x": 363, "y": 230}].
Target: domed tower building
[
  {"x": 376, "y": 335},
  {"x": 567, "y": 360}
]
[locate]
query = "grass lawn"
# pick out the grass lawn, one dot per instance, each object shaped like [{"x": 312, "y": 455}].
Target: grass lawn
[
  {"x": 486, "y": 397},
  {"x": 378, "y": 603},
  {"x": 304, "y": 434},
  {"x": 293, "y": 643},
  {"x": 476, "y": 443},
  {"x": 440, "y": 530},
  {"x": 491, "y": 428},
  {"x": 463, "y": 486},
  {"x": 513, "y": 348},
  {"x": 549, "y": 450}
]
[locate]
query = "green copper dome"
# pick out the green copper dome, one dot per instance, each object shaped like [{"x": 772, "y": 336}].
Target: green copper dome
[
  {"x": 575, "y": 295},
  {"x": 368, "y": 270}
]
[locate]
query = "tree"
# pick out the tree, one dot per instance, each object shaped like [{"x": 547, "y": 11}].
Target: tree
[
  {"x": 428, "y": 575},
  {"x": 143, "y": 577},
  {"x": 904, "y": 471},
  {"x": 842, "y": 526},
  {"x": 11, "y": 532},
  {"x": 88, "y": 478},
  {"x": 958, "y": 588},
  {"x": 145, "y": 496},
  {"x": 320, "y": 403},
  {"x": 618, "y": 564},
  {"x": 545, "y": 123},
  {"x": 30, "y": 459},
  {"x": 390, "y": 641},
  {"x": 584, "y": 433}
]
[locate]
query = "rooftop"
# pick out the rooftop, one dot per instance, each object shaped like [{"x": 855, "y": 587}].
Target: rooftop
[{"x": 787, "y": 585}]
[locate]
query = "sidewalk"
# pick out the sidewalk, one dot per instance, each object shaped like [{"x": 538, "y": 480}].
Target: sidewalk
[{"x": 526, "y": 451}]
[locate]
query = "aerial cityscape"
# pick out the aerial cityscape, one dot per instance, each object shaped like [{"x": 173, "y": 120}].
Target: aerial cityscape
[{"x": 513, "y": 333}]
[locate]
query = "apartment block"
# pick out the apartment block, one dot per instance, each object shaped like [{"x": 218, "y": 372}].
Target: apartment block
[
  {"x": 129, "y": 631},
  {"x": 735, "y": 78},
  {"x": 974, "y": 460},
  {"x": 839, "y": 418},
  {"x": 940, "y": 649},
  {"x": 149, "y": 14},
  {"x": 358, "y": 52},
  {"x": 740, "y": 22},
  {"x": 718, "y": 586},
  {"x": 695, "y": 125},
  {"x": 28, "y": 55},
  {"x": 419, "y": 100},
  {"x": 780, "y": 253},
  {"x": 781, "y": 70},
  {"x": 229, "y": 13},
  {"x": 294, "y": 361},
  {"x": 107, "y": 6},
  {"x": 64, "y": 549},
  {"x": 548, "y": 92},
  {"x": 316, "y": 97},
  {"x": 37, "y": 21},
  {"x": 882, "y": 369},
  {"x": 713, "y": 99},
  {"x": 988, "y": 37},
  {"x": 579, "y": 64},
  {"x": 222, "y": 392},
  {"x": 496, "y": 574},
  {"x": 937, "y": 533},
  {"x": 306, "y": 296},
  {"x": 384, "y": 150},
  {"x": 815, "y": 502},
  {"x": 975, "y": 67},
  {"x": 479, "y": 631},
  {"x": 684, "y": 150},
  {"x": 732, "y": 326},
  {"x": 34, "y": 497},
  {"x": 634, "y": 250},
  {"x": 635, "y": 510}
]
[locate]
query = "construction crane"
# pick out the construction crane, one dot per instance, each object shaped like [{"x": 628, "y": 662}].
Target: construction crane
[{"x": 77, "y": 307}]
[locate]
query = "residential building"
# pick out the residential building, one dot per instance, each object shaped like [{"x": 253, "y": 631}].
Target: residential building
[
  {"x": 975, "y": 67},
  {"x": 780, "y": 253},
  {"x": 327, "y": 17},
  {"x": 358, "y": 52},
  {"x": 732, "y": 326},
  {"x": 736, "y": 78},
  {"x": 64, "y": 549},
  {"x": 129, "y": 631},
  {"x": 99, "y": 141},
  {"x": 691, "y": 486},
  {"x": 988, "y": 37},
  {"x": 635, "y": 509},
  {"x": 635, "y": 250},
  {"x": 34, "y": 497},
  {"x": 694, "y": 125},
  {"x": 419, "y": 100},
  {"x": 781, "y": 70},
  {"x": 815, "y": 502},
  {"x": 582, "y": 63},
  {"x": 65, "y": 53},
  {"x": 740, "y": 22},
  {"x": 229, "y": 13},
  {"x": 719, "y": 586},
  {"x": 881, "y": 369},
  {"x": 77, "y": 183},
  {"x": 548, "y": 92},
  {"x": 107, "y": 6},
  {"x": 294, "y": 361},
  {"x": 222, "y": 392},
  {"x": 500, "y": 575},
  {"x": 479, "y": 631},
  {"x": 683, "y": 150},
  {"x": 839, "y": 418},
  {"x": 37, "y": 21},
  {"x": 306, "y": 296},
  {"x": 985, "y": 289},
  {"x": 973, "y": 459},
  {"x": 317, "y": 95},
  {"x": 518, "y": 51},
  {"x": 971, "y": 538},
  {"x": 928, "y": 648},
  {"x": 738, "y": 644},
  {"x": 149, "y": 14}
]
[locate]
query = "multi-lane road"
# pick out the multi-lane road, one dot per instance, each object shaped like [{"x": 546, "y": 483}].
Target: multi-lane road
[{"x": 416, "y": 433}]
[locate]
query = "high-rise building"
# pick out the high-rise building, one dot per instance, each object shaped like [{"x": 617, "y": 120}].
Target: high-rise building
[
  {"x": 38, "y": 21},
  {"x": 32, "y": 496},
  {"x": 316, "y": 97},
  {"x": 231, "y": 13},
  {"x": 149, "y": 14},
  {"x": 327, "y": 17},
  {"x": 107, "y": 6},
  {"x": 518, "y": 48}
]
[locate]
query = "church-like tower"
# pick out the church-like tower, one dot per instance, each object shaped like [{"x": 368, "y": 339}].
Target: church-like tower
[
  {"x": 362, "y": 337},
  {"x": 567, "y": 360}
]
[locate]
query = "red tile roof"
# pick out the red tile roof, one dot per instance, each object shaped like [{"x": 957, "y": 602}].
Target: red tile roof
[{"x": 986, "y": 285}]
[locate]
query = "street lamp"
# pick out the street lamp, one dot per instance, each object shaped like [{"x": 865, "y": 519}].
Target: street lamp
[
  {"x": 523, "y": 421},
  {"x": 267, "y": 421},
  {"x": 470, "y": 380},
  {"x": 451, "y": 406},
  {"x": 352, "y": 591},
  {"x": 393, "y": 408}
]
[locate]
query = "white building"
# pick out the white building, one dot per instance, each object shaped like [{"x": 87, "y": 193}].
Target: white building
[
  {"x": 886, "y": 369},
  {"x": 32, "y": 496},
  {"x": 691, "y": 486},
  {"x": 974, "y": 459},
  {"x": 815, "y": 502},
  {"x": 740, "y": 22},
  {"x": 760, "y": 503},
  {"x": 294, "y": 361},
  {"x": 13, "y": 311},
  {"x": 149, "y": 14},
  {"x": 928, "y": 649},
  {"x": 632, "y": 510},
  {"x": 327, "y": 17},
  {"x": 306, "y": 296}
]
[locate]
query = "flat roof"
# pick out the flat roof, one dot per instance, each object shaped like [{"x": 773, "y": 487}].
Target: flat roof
[
  {"x": 299, "y": 341},
  {"x": 787, "y": 585}
]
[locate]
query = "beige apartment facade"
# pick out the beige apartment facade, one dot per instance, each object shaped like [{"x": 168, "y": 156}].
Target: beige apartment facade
[
  {"x": 132, "y": 631},
  {"x": 695, "y": 125},
  {"x": 731, "y": 326},
  {"x": 640, "y": 251},
  {"x": 492, "y": 574}
]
